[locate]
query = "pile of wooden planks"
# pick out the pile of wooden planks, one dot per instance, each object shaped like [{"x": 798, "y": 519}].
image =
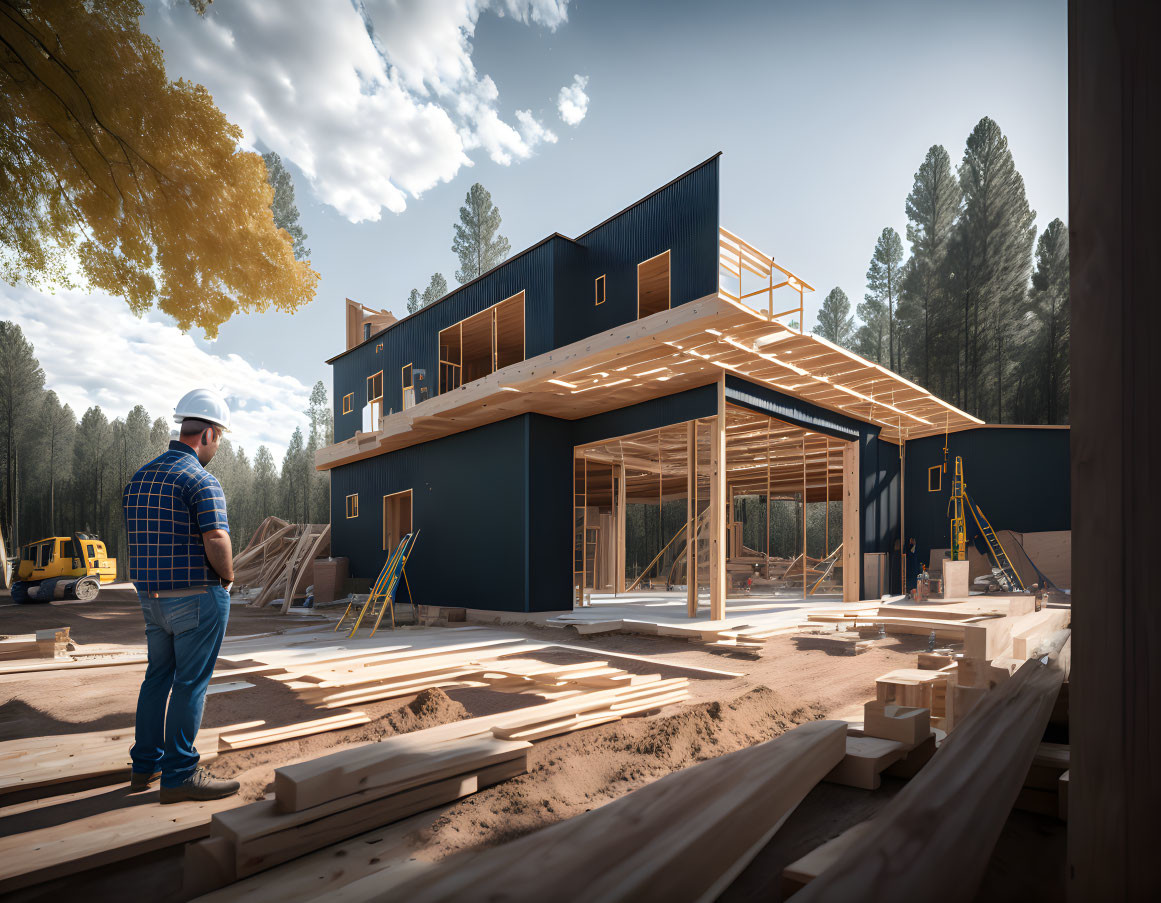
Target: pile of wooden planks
[
  {"x": 279, "y": 560},
  {"x": 325, "y": 800},
  {"x": 50, "y": 643}
]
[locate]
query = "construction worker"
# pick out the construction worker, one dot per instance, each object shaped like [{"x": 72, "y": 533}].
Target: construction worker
[{"x": 181, "y": 563}]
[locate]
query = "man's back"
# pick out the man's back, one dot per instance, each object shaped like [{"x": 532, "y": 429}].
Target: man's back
[{"x": 168, "y": 504}]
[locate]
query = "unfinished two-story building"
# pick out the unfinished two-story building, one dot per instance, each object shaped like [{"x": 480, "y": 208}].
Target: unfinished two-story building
[{"x": 634, "y": 410}]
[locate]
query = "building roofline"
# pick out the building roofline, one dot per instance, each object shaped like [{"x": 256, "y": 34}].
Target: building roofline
[{"x": 527, "y": 250}]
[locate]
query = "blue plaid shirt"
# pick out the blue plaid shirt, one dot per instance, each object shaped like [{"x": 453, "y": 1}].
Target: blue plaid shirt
[{"x": 168, "y": 504}]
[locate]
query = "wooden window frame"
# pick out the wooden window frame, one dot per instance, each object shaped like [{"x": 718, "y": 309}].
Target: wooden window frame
[
  {"x": 458, "y": 365},
  {"x": 410, "y": 513},
  {"x": 406, "y": 381},
  {"x": 668, "y": 280},
  {"x": 378, "y": 347},
  {"x": 600, "y": 290},
  {"x": 352, "y": 506},
  {"x": 348, "y": 402},
  {"x": 378, "y": 397},
  {"x": 938, "y": 468}
]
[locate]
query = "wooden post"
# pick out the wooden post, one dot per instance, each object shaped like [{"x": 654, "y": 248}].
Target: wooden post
[
  {"x": 717, "y": 502},
  {"x": 1115, "y": 689},
  {"x": 691, "y": 518},
  {"x": 619, "y": 527},
  {"x": 768, "y": 497},
  {"x": 851, "y": 556},
  {"x": 804, "y": 516}
]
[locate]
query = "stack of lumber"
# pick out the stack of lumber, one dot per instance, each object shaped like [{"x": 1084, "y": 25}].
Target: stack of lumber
[
  {"x": 279, "y": 560},
  {"x": 954, "y": 809},
  {"x": 50, "y": 643},
  {"x": 734, "y": 635},
  {"x": 328, "y": 799},
  {"x": 683, "y": 837}
]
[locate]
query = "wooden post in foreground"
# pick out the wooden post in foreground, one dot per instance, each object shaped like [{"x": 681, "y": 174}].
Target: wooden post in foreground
[
  {"x": 717, "y": 502},
  {"x": 690, "y": 520}
]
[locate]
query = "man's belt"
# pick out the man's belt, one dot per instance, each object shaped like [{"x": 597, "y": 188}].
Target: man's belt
[{"x": 177, "y": 593}]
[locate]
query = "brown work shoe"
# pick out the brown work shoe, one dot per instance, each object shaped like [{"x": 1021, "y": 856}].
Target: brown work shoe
[
  {"x": 139, "y": 780},
  {"x": 199, "y": 786}
]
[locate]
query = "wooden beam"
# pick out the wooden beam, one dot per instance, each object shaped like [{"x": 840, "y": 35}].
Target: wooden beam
[
  {"x": 717, "y": 502},
  {"x": 851, "y": 546},
  {"x": 683, "y": 837},
  {"x": 1115, "y": 693},
  {"x": 690, "y": 516},
  {"x": 619, "y": 526}
]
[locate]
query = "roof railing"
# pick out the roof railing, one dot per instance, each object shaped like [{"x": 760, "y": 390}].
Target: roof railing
[{"x": 741, "y": 267}]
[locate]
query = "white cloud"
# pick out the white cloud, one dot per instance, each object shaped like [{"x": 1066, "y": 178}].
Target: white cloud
[
  {"x": 573, "y": 102},
  {"x": 374, "y": 101},
  {"x": 109, "y": 357}
]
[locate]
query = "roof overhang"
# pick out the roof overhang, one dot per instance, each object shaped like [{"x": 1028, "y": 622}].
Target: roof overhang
[{"x": 671, "y": 351}]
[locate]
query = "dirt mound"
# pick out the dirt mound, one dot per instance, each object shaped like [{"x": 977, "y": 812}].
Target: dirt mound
[
  {"x": 254, "y": 767},
  {"x": 572, "y": 774}
]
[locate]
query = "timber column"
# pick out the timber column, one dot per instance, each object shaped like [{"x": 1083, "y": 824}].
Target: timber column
[
  {"x": 691, "y": 520},
  {"x": 717, "y": 501},
  {"x": 851, "y": 522}
]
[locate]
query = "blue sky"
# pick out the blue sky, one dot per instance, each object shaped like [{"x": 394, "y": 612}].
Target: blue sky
[{"x": 823, "y": 110}]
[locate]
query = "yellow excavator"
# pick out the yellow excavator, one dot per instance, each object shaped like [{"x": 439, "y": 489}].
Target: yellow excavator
[{"x": 63, "y": 567}]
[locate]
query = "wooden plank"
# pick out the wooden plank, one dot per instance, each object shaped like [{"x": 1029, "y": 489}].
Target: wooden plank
[
  {"x": 325, "y": 825},
  {"x": 80, "y": 844},
  {"x": 865, "y": 759},
  {"x": 683, "y": 837},
  {"x": 954, "y": 809},
  {"x": 394, "y": 764},
  {"x": 717, "y": 501},
  {"x": 806, "y": 868}
]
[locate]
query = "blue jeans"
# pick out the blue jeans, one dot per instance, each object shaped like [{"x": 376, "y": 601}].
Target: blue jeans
[{"x": 183, "y": 635}]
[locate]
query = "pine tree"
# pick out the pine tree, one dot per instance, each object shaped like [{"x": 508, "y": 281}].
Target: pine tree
[
  {"x": 932, "y": 208},
  {"x": 90, "y": 467},
  {"x": 991, "y": 252},
  {"x": 477, "y": 242},
  {"x": 1049, "y": 302},
  {"x": 870, "y": 338},
  {"x": 283, "y": 207},
  {"x": 57, "y": 429},
  {"x": 834, "y": 320},
  {"x": 21, "y": 381},
  {"x": 435, "y": 290},
  {"x": 883, "y": 285}
]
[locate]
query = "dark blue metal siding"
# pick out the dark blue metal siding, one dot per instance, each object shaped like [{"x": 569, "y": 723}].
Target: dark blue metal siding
[
  {"x": 879, "y": 502},
  {"x": 681, "y": 218},
  {"x": 792, "y": 410},
  {"x": 469, "y": 501},
  {"x": 415, "y": 340},
  {"x": 1019, "y": 477}
]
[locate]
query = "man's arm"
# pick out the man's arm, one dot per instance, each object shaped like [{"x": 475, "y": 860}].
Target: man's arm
[{"x": 220, "y": 554}]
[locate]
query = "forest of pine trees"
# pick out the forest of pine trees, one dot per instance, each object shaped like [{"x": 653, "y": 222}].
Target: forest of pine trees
[
  {"x": 63, "y": 474},
  {"x": 978, "y": 313}
]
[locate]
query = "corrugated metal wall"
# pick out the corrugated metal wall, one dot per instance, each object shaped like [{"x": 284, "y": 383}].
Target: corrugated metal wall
[
  {"x": 1021, "y": 478},
  {"x": 416, "y": 340},
  {"x": 557, "y": 277},
  {"x": 681, "y": 218}
]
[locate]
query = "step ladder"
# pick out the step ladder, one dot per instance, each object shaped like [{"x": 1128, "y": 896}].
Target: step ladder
[
  {"x": 382, "y": 598},
  {"x": 995, "y": 548}
]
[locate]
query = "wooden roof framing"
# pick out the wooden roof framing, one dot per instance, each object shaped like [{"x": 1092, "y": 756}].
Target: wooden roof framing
[{"x": 670, "y": 351}]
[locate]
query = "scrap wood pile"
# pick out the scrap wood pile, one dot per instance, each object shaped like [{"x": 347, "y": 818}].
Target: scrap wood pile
[
  {"x": 331, "y": 674},
  {"x": 279, "y": 560}
]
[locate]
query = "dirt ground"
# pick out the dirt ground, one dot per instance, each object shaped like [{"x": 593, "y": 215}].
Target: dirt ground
[{"x": 568, "y": 775}]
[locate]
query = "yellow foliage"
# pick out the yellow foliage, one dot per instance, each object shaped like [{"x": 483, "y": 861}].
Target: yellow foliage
[{"x": 105, "y": 161}]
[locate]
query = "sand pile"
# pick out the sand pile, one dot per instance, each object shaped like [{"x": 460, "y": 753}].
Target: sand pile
[
  {"x": 572, "y": 774},
  {"x": 254, "y": 767}
]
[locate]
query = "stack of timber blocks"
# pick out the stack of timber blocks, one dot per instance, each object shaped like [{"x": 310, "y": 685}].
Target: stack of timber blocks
[
  {"x": 894, "y": 739},
  {"x": 50, "y": 643}
]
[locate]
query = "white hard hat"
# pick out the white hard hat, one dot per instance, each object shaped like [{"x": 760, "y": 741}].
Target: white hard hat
[{"x": 203, "y": 404}]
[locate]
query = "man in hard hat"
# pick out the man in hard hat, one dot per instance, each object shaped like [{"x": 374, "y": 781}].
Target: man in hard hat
[{"x": 181, "y": 564}]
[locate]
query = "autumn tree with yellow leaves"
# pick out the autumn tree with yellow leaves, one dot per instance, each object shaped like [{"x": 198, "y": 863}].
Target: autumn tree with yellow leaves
[{"x": 109, "y": 168}]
